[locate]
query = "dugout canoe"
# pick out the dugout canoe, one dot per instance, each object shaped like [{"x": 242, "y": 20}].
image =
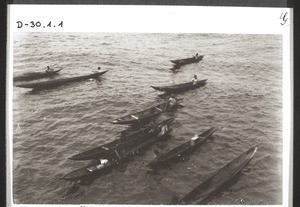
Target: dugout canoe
[
  {"x": 178, "y": 88},
  {"x": 36, "y": 75},
  {"x": 123, "y": 153},
  {"x": 221, "y": 177},
  {"x": 183, "y": 149},
  {"x": 107, "y": 150},
  {"x": 59, "y": 82},
  {"x": 147, "y": 114},
  {"x": 186, "y": 61}
]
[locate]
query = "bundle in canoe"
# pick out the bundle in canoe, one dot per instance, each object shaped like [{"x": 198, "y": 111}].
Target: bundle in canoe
[
  {"x": 36, "y": 75},
  {"x": 221, "y": 177},
  {"x": 123, "y": 153},
  {"x": 182, "y": 149},
  {"x": 108, "y": 150},
  {"x": 186, "y": 61},
  {"x": 147, "y": 114},
  {"x": 178, "y": 88},
  {"x": 59, "y": 82}
]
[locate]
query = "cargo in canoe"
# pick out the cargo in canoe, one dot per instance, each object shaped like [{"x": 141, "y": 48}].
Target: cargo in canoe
[
  {"x": 186, "y": 61},
  {"x": 147, "y": 114},
  {"x": 182, "y": 149},
  {"x": 36, "y": 75},
  {"x": 178, "y": 88},
  {"x": 221, "y": 177},
  {"x": 123, "y": 154},
  {"x": 59, "y": 82},
  {"x": 107, "y": 150}
]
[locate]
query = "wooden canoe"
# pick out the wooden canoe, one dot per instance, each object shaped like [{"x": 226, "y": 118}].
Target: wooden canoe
[
  {"x": 123, "y": 153},
  {"x": 186, "y": 61},
  {"x": 178, "y": 88},
  {"x": 59, "y": 82},
  {"x": 221, "y": 177},
  {"x": 182, "y": 149},
  {"x": 36, "y": 75},
  {"x": 145, "y": 115},
  {"x": 107, "y": 150}
]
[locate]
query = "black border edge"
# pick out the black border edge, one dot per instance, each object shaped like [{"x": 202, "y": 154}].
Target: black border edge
[
  {"x": 238, "y": 3},
  {"x": 3, "y": 44}
]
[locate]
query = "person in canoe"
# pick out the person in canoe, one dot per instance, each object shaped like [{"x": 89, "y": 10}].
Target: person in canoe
[
  {"x": 194, "y": 80},
  {"x": 196, "y": 56},
  {"x": 98, "y": 70},
  {"x": 172, "y": 102},
  {"x": 48, "y": 69}
]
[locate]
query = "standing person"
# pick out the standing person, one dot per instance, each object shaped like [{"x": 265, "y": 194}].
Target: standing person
[{"x": 194, "y": 80}]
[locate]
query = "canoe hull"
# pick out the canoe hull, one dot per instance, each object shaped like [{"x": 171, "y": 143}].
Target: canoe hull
[
  {"x": 181, "y": 150},
  {"x": 107, "y": 151},
  {"x": 59, "y": 82},
  {"x": 123, "y": 154},
  {"x": 181, "y": 62},
  {"x": 143, "y": 116},
  {"x": 199, "y": 194},
  {"x": 36, "y": 75},
  {"x": 179, "y": 88}
]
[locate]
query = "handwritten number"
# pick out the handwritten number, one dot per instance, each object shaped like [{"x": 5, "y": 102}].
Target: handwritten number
[
  {"x": 284, "y": 17},
  {"x": 49, "y": 24},
  {"x": 60, "y": 24}
]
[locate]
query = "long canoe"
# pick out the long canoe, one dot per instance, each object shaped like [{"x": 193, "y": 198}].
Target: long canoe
[
  {"x": 59, "y": 82},
  {"x": 186, "y": 61},
  {"x": 123, "y": 153},
  {"x": 107, "y": 150},
  {"x": 178, "y": 88},
  {"x": 36, "y": 75},
  {"x": 221, "y": 177},
  {"x": 146, "y": 114},
  {"x": 182, "y": 149}
]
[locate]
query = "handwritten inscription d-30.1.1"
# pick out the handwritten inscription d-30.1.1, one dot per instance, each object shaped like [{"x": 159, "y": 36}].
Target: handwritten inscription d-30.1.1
[{"x": 38, "y": 24}]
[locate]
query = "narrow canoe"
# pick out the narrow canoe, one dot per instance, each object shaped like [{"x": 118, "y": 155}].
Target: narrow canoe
[
  {"x": 107, "y": 150},
  {"x": 178, "y": 88},
  {"x": 59, "y": 82},
  {"x": 182, "y": 149},
  {"x": 123, "y": 153},
  {"x": 145, "y": 115},
  {"x": 36, "y": 75},
  {"x": 221, "y": 177},
  {"x": 186, "y": 61}
]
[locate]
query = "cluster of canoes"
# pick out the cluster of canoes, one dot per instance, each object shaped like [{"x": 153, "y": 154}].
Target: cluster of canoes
[{"x": 146, "y": 128}]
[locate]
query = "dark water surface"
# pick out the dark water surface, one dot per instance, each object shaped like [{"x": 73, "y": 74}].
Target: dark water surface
[{"x": 242, "y": 99}]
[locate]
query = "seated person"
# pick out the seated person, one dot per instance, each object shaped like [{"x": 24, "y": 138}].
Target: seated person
[
  {"x": 196, "y": 56},
  {"x": 48, "y": 69},
  {"x": 194, "y": 80},
  {"x": 172, "y": 102}
]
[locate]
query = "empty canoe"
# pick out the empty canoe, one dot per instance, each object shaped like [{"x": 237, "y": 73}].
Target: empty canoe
[{"x": 225, "y": 174}]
